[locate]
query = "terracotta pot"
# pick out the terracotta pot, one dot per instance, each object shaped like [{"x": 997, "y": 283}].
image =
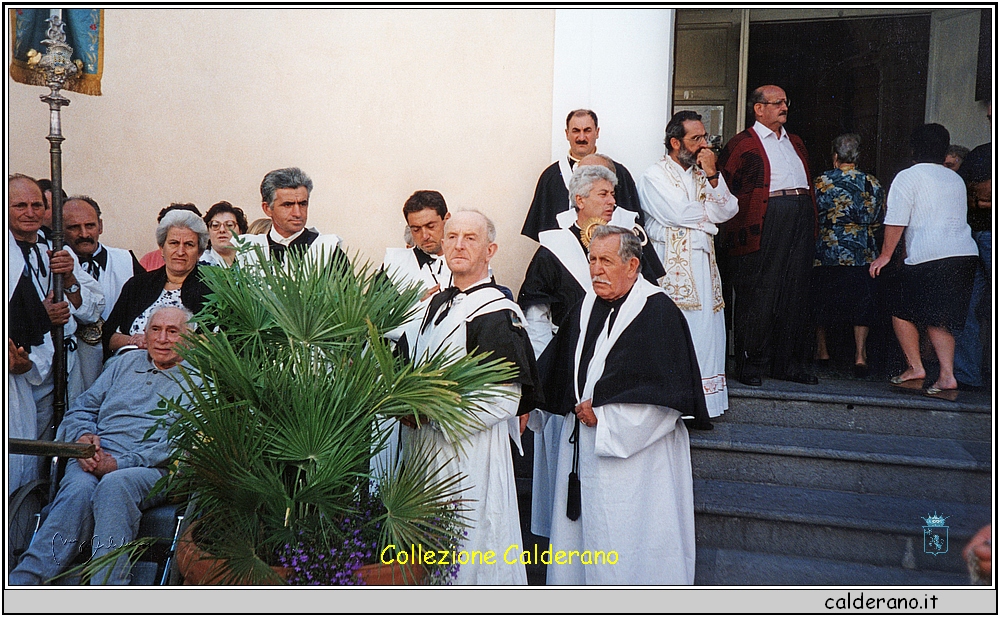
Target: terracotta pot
[
  {"x": 393, "y": 574},
  {"x": 198, "y": 567}
]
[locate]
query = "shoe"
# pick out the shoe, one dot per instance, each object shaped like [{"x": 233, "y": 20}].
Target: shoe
[
  {"x": 801, "y": 377},
  {"x": 949, "y": 395},
  {"x": 822, "y": 362},
  {"x": 751, "y": 380},
  {"x": 861, "y": 371}
]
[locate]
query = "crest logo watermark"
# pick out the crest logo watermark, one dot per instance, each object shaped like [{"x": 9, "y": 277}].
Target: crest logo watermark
[{"x": 935, "y": 534}]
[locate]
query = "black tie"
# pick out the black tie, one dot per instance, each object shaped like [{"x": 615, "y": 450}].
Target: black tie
[{"x": 26, "y": 248}]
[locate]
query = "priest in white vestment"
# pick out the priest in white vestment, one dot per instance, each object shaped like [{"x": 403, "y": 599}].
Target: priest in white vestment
[
  {"x": 475, "y": 314},
  {"x": 623, "y": 510},
  {"x": 684, "y": 199}
]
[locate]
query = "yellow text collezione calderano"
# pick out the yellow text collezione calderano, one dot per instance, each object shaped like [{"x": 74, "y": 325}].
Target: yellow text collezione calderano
[{"x": 417, "y": 555}]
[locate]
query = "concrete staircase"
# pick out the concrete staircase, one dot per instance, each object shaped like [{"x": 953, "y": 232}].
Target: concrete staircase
[{"x": 829, "y": 485}]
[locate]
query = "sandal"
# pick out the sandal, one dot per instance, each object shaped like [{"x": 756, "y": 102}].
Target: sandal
[
  {"x": 907, "y": 384},
  {"x": 950, "y": 394}
]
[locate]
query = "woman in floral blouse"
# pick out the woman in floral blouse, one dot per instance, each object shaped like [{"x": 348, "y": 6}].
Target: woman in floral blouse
[{"x": 851, "y": 206}]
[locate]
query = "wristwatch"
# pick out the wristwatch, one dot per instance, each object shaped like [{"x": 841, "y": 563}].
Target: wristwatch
[
  {"x": 72, "y": 289},
  {"x": 713, "y": 176}
]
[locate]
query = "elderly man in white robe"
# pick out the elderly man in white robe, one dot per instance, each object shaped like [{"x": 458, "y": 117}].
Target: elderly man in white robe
[
  {"x": 474, "y": 314},
  {"x": 623, "y": 512},
  {"x": 684, "y": 199}
]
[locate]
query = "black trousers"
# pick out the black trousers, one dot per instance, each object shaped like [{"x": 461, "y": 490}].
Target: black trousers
[{"x": 772, "y": 328}]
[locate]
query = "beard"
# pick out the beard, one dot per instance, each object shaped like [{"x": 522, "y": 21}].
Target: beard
[{"x": 686, "y": 157}]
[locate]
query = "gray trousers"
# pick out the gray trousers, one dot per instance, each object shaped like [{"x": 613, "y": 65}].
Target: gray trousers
[{"x": 105, "y": 512}]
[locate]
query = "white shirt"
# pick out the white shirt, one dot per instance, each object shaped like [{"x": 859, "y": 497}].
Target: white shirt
[
  {"x": 787, "y": 170},
  {"x": 930, "y": 201},
  {"x": 285, "y": 241}
]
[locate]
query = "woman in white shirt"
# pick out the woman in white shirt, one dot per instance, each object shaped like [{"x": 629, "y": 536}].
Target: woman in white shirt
[{"x": 929, "y": 202}]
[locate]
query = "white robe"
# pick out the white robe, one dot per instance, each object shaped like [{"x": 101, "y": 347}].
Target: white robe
[
  {"x": 113, "y": 278},
  {"x": 545, "y": 426},
  {"x": 636, "y": 487},
  {"x": 325, "y": 244},
  {"x": 682, "y": 207},
  {"x": 402, "y": 267},
  {"x": 484, "y": 456},
  {"x": 91, "y": 307}
]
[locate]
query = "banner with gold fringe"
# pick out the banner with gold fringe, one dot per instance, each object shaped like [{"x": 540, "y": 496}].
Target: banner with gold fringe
[{"x": 84, "y": 33}]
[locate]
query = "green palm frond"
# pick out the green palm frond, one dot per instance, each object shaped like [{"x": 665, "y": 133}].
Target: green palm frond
[{"x": 288, "y": 381}]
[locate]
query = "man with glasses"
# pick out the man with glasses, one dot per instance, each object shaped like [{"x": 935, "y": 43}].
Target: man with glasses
[
  {"x": 112, "y": 267},
  {"x": 767, "y": 168},
  {"x": 685, "y": 199}
]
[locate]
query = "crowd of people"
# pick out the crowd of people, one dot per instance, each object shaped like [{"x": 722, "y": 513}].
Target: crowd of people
[{"x": 618, "y": 332}]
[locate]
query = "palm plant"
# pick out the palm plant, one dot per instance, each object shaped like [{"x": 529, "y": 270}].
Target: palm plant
[{"x": 288, "y": 376}]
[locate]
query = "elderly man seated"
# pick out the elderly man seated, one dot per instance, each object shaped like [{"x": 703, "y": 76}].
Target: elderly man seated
[{"x": 100, "y": 499}]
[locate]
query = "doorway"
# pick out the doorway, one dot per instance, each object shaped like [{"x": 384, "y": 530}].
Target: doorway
[{"x": 862, "y": 75}]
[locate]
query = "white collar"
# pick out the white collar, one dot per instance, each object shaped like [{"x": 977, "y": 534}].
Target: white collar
[
  {"x": 763, "y": 132},
  {"x": 477, "y": 284},
  {"x": 274, "y": 235},
  {"x": 678, "y": 167}
]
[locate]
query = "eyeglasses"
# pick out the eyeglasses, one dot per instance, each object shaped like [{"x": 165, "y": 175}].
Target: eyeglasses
[
  {"x": 779, "y": 102},
  {"x": 216, "y": 225},
  {"x": 697, "y": 139}
]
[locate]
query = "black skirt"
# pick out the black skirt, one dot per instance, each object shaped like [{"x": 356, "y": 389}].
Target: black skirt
[
  {"x": 843, "y": 295},
  {"x": 937, "y": 293}
]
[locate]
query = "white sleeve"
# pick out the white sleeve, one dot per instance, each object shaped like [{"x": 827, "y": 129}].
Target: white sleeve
[
  {"x": 720, "y": 204},
  {"x": 668, "y": 205},
  {"x": 92, "y": 296},
  {"x": 624, "y": 429},
  {"x": 41, "y": 361},
  {"x": 495, "y": 410},
  {"x": 538, "y": 323},
  {"x": 899, "y": 203}
]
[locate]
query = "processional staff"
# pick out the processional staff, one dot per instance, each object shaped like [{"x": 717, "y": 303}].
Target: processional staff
[{"x": 57, "y": 66}]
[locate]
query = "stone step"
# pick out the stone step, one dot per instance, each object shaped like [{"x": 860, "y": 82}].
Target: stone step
[
  {"x": 734, "y": 567},
  {"x": 861, "y": 407},
  {"x": 877, "y": 530},
  {"x": 904, "y": 466}
]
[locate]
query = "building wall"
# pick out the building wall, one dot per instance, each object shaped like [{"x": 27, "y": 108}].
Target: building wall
[
  {"x": 951, "y": 77},
  {"x": 199, "y": 104}
]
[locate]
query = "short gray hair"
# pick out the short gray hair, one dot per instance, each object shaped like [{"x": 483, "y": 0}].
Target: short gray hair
[
  {"x": 491, "y": 229},
  {"x": 584, "y": 178},
  {"x": 629, "y": 245},
  {"x": 188, "y": 316},
  {"x": 847, "y": 147},
  {"x": 287, "y": 178},
  {"x": 186, "y": 219}
]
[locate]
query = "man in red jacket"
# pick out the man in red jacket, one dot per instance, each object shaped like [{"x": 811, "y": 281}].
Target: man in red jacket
[{"x": 767, "y": 169}]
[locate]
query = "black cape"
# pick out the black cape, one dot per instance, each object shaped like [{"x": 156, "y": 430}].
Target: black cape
[
  {"x": 551, "y": 198},
  {"x": 501, "y": 334},
  {"x": 548, "y": 281},
  {"x": 652, "y": 363}
]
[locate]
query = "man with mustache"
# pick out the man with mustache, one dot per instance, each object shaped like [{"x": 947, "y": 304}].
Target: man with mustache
[
  {"x": 767, "y": 169},
  {"x": 622, "y": 371},
  {"x": 112, "y": 267},
  {"x": 551, "y": 192},
  {"x": 685, "y": 198},
  {"x": 557, "y": 279}
]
